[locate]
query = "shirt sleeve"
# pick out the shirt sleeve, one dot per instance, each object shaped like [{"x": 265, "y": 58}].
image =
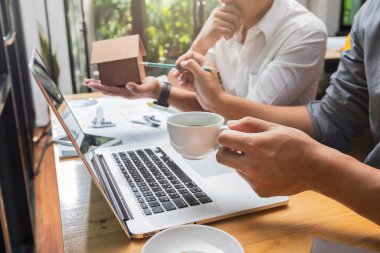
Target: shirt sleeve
[
  {"x": 292, "y": 70},
  {"x": 342, "y": 114}
]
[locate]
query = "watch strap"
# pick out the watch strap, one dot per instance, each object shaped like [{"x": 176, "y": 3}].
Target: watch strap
[{"x": 164, "y": 95}]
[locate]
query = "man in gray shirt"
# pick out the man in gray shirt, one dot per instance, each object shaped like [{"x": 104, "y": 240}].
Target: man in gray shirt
[{"x": 279, "y": 160}]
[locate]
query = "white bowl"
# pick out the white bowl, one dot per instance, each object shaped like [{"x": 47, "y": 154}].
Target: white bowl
[{"x": 193, "y": 239}]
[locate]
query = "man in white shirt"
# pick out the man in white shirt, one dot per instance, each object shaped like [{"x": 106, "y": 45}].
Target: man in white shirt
[
  {"x": 266, "y": 51},
  {"x": 280, "y": 60}
]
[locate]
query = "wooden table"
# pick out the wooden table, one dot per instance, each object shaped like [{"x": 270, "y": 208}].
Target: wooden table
[
  {"x": 332, "y": 54},
  {"x": 88, "y": 225}
]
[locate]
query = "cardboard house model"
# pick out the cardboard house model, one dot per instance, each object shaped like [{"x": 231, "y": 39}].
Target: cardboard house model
[{"x": 119, "y": 60}]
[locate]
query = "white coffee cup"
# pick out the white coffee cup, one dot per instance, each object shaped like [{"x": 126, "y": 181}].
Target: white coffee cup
[{"x": 194, "y": 134}]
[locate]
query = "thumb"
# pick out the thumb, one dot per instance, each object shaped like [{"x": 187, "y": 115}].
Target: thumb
[
  {"x": 134, "y": 87},
  {"x": 192, "y": 66},
  {"x": 250, "y": 125}
]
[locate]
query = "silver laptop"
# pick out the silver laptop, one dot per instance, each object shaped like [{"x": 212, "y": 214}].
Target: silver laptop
[{"x": 150, "y": 187}]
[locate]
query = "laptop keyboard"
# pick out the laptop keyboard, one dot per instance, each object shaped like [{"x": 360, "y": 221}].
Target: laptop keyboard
[{"x": 157, "y": 182}]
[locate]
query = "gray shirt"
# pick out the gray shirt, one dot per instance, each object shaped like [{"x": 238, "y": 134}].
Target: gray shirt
[{"x": 352, "y": 101}]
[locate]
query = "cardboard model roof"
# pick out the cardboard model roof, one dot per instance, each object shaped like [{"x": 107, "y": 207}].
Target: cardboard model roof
[{"x": 117, "y": 49}]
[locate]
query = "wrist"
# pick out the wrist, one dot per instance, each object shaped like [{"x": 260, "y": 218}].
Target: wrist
[
  {"x": 217, "y": 103},
  {"x": 198, "y": 47},
  {"x": 327, "y": 170},
  {"x": 157, "y": 91}
]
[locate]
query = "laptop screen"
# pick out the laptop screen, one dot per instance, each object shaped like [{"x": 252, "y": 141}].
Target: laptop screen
[{"x": 44, "y": 78}]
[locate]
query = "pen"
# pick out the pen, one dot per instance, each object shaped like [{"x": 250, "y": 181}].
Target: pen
[
  {"x": 151, "y": 124},
  {"x": 162, "y": 108},
  {"x": 170, "y": 66}
]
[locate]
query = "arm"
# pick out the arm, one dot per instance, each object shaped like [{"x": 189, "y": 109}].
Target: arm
[
  {"x": 223, "y": 22},
  {"x": 278, "y": 161},
  {"x": 150, "y": 88},
  {"x": 358, "y": 187},
  {"x": 340, "y": 116},
  {"x": 233, "y": 107},
  {"x": 212, "y": 98}
]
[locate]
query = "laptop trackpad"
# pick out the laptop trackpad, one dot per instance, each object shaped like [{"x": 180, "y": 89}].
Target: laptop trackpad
[{"x": 208, "y": 167}]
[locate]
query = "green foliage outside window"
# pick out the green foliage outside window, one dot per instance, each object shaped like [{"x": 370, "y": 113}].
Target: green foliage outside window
[
  {"x": 350, "y": 8},
  {"x": 169, "y": 31},
  {"x": 112, "y": 18},
  {"x": 170, "y": 28}
]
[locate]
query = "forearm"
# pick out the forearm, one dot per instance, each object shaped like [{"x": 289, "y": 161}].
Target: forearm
[
  {"x": 199, "y": 45},
  {"x": 184, "y": 100},
  {"x": 350, "y": 182},
  {"x": 233, "y": 107}
]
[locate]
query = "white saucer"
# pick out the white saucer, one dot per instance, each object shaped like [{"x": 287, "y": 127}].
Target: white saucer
[{"x": 193, "y": 239}]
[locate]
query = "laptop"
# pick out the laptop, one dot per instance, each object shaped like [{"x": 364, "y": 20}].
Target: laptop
[{"x": 149, "y": 186}]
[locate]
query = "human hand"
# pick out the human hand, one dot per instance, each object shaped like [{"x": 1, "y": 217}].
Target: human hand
[
  {"x": 205, "y": 83},
  {"x": 150, "y": 88},
  {"x": 275, "y": 160},
  {"x": 223, "y": 21}
]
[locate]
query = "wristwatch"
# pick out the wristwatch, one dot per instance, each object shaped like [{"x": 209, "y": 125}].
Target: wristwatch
[{"x": 164, "y": 95}]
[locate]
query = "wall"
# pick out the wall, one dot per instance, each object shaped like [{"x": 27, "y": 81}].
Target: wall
[
  {"x": 327, "y": 10},
  {"x": 33, "y": 17}
]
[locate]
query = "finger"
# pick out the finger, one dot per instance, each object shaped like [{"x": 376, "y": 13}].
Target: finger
[
  {"x": 193, "y": 66},
  {"x": 251, "y": 125},
  {"x": 135, "y": 88},
  {"x": 106, "y": 89},
  {"x": 226, "y": 33},
  {"x": 188, "y": 86},
  {"x": 232, "y": 19},
  {"x": 235, "y": 140},
  {"x": 97, "y": 86},
  {"x": 176, "y": 73},
  {"x": 200, "y": 59},
  {"x": 87, "y": 81},
  {"x": 226, "y": 25},
  {"x": 245, "y": 177},
  {"x": 226, "y": 1},
  {"x": 184, "y": 57},
  {"x": 232, "y": 159},
  {"x": 232, "y": 9},
  {"x": 187, "y": 77}
]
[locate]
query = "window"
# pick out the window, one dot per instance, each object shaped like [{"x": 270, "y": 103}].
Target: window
[
  {"x": 350, "y": 8},
  {"x": 167, "y": 27}
]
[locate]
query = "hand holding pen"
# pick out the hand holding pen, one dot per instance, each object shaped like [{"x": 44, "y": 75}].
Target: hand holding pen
[
  {"x": 185, "y": 78},
  {"x": 206, "y": 84},
  {"x": 171, "y": 66}
]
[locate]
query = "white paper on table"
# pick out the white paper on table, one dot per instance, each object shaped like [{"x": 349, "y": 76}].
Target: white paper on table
[
  {"x": 121, "y": 111},
  {"x": 336, "y": 43}
]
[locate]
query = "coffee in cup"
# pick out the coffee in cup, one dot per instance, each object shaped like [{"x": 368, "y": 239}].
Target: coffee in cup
[{"x": 194, "y": 134}]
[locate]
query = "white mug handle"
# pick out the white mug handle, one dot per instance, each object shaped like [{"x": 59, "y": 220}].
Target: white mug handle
[
  {"x": 221, "y": 129},
  {"x": 224, "y": 127}
]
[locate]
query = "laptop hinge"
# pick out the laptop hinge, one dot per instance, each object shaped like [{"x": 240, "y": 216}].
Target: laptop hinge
[{"x": 112, "y": 189}]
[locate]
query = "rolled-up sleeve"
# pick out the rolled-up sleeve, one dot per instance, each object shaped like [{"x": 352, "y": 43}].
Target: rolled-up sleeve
[
  {"x": 342, "y": 114},
  {"x": 288, "y": 75}
]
